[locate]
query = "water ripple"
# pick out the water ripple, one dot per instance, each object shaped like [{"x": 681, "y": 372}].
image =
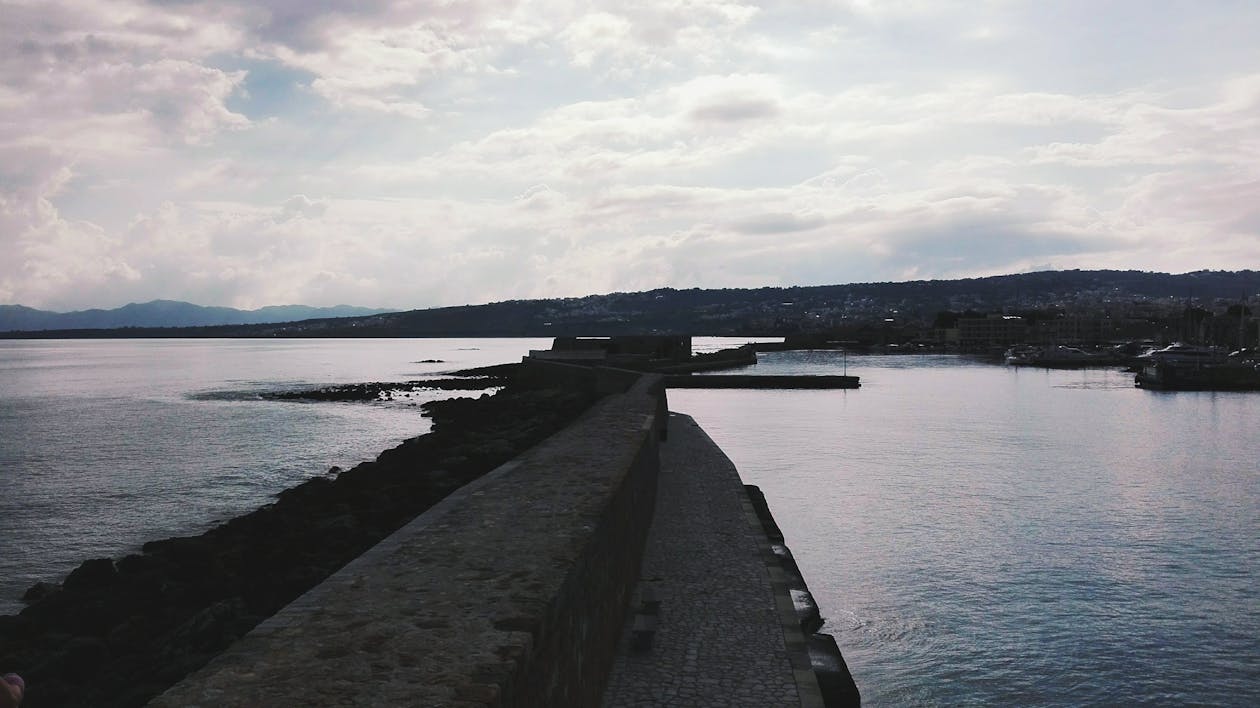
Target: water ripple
[{"x": 983, "y": 536}]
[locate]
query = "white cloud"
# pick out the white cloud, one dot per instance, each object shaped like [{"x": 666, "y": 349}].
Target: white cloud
[
  {"x": 428, "y": 152},
  {"x": 300, "y": 205},
  {"x": 50, "y": 259},
  {"x": 656, "y": 35},
  {"x": 1225, "y": 131}
]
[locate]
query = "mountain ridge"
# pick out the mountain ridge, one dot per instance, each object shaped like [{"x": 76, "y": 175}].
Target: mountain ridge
[{"x": 167, "y": 313}]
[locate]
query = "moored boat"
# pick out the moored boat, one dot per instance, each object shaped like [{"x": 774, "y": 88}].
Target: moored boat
[
  {"x": 1182, "y": 353},
  {"x": 1058, "y": 357},
  {"x": 1198, "y": 369}
]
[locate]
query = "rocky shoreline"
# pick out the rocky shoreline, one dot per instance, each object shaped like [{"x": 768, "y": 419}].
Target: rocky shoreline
[
  {"x": 118, "y": 632},
  {"x": 480, "y": 378}
]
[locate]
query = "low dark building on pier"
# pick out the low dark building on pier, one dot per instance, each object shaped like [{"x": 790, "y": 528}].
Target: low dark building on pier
[{"x": 675, "y": 348}]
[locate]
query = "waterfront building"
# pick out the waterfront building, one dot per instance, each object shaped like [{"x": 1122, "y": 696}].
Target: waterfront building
[{"x": 991, "y": 331}]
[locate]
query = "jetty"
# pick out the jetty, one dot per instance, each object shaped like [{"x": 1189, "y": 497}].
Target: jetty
[
  {"x": 672, "y": 356},
  {"x": 619, "y": 562},
  {"x": 713, "y": 622},
  {"x": 827, "y": 381}
]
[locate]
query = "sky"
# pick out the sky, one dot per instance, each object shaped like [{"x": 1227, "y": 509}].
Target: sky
[{"x": 411, "y": 154}]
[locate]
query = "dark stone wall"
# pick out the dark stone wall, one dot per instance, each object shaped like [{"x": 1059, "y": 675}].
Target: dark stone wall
[
  {"x": 576, "y": 649},
  {"x": 510, "y": 592}
]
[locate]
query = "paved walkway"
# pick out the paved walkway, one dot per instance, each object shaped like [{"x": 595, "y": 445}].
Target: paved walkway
[{"x": 721, "y": 623}]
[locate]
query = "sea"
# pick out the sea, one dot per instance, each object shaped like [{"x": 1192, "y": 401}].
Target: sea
[
  {"x": 974, "y": 534},
  {"x": 106, "y": 444}
]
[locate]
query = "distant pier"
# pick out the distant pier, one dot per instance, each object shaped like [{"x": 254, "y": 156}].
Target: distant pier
[
  {"x": 753, "y": 381},
  {"x": 672, "y": 357}
]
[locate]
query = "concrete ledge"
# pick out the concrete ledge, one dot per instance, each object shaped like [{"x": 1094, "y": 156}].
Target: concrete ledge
[
  {"x": 715, "y": 624},
  {"x": 511, "y": 592},
  {"x": 824, "y": 381},
  {"x": 829, "y": 682}
]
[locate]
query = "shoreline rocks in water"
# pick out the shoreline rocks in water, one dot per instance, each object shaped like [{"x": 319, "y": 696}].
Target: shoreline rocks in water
[
  {"x": 379, "y": 390},
  {"x": 480, "y": 378},
  {"x": 118, "y": 632}
]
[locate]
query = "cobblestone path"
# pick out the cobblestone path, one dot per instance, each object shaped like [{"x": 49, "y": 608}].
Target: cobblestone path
[{"x": 719, "y": 632}]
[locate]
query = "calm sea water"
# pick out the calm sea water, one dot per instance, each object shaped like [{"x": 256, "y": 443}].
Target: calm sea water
[
  {"x": 107, "y": 444},
  {"x": 974, "y": 534},
  {"x": 983, "y": 535}
]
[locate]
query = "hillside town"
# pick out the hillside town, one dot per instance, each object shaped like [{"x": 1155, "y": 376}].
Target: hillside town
[
  {"x": 1076, "y": 308},
  {"x": 1220, "y": 323}
]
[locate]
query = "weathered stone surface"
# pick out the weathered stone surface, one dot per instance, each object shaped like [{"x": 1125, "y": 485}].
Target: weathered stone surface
[
  {"x": 509, "y": 592},
  {"x": 725, "y": 633},
  {"x": 834, "y": 678},
  {"x": 728, "y": 629}
]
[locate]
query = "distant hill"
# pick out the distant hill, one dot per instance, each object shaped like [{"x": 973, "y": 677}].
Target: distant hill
[
  {"x": 166, "y": 313},
  {"x": 779, "y": 311},
  {"x": 749, "y": 311}
]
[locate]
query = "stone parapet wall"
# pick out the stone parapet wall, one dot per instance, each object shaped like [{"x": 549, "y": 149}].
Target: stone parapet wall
[
  {"x": 510, "y": 592},
  {"x": 596, "y": 379}
]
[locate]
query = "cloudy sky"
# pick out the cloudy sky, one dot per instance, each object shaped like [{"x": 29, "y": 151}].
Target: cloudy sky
[{"x": 421, "y": 153}]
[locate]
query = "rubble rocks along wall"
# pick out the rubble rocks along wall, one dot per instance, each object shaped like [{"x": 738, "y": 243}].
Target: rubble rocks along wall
[{"x": 511, "y": 592}]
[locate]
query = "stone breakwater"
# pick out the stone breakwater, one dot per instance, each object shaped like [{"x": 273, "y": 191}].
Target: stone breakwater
[
  {"x": 511, "y": 592},
  {"x": 118, "y": 632}
]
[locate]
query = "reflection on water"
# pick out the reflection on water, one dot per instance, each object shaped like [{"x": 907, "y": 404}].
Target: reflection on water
[
  {"x": 981, "y": 534},
  {"x": 107, "y": 444},
  {"x": 972, "y": 533}
]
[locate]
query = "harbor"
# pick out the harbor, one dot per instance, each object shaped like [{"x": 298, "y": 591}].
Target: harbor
[
  {"x": 1063, "y": 538},
  {"x": 583, "y": 498},
  {"x": 1175, "y": 367}
]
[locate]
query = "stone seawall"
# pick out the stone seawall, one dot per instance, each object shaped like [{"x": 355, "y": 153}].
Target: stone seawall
[
  {"x": 719, "y": 619},
  {"x": 835, "y": 682},
  {"x": 510, "y": 592}
]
